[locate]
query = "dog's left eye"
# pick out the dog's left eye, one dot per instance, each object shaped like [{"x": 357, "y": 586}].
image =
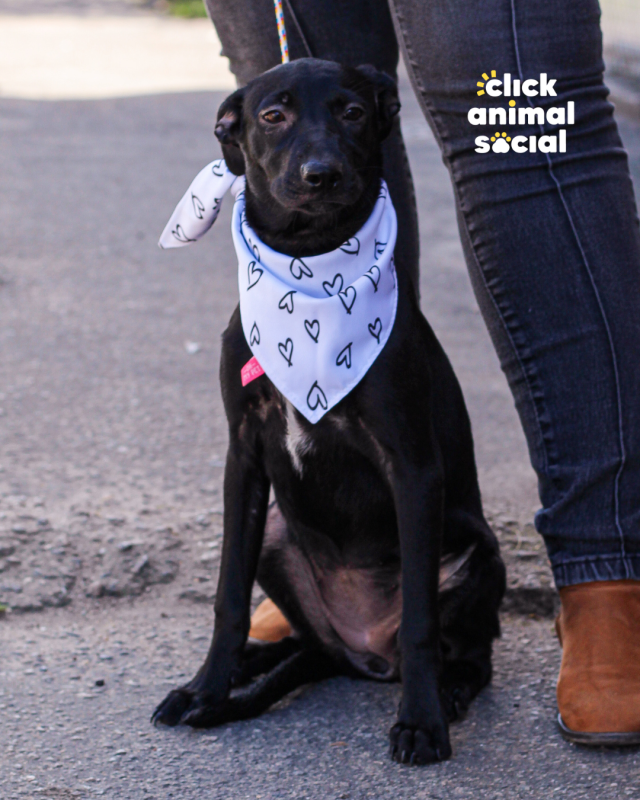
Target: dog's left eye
[
  {"x": 353, "y": 113},
  {"x": 273, "y": 117}
]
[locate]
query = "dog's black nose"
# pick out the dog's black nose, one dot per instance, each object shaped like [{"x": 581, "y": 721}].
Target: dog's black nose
[{"x": 319, "y": 175}]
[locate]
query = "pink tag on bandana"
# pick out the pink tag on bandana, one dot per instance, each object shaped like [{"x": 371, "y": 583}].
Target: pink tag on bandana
[{"x": 251, "y": 371}]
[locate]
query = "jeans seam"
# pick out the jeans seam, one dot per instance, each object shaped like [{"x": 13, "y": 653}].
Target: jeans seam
[
  {"x": 585, "y": 261},
  {"x": 429, "y": 113}
]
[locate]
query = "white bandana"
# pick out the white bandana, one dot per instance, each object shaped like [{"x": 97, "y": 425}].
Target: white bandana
[{"x": 315, "y": 324}]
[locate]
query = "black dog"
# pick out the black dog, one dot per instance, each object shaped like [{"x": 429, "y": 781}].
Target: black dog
[{"x": 376, "y": 550}]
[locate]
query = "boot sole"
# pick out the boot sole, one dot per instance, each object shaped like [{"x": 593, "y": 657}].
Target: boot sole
[{"x": 598, "y": 739}]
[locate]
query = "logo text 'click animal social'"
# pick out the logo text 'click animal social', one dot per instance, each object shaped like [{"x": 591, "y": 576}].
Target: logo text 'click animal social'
[{"x": 500, "y": 119}]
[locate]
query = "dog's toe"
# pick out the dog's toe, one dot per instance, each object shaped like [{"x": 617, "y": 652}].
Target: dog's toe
[
  {"x": 415, "y": 746},
  {"x": 202, "y": 714},
  {"x": 171, "y": 709},
  {"x": 455, "y": 702},
  {"x": 186, "y": 706}
]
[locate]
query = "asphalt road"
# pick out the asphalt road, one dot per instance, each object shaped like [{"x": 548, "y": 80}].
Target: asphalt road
[
  {"x": 62, "y": 736},
  {"x": 112, "y": 444}
]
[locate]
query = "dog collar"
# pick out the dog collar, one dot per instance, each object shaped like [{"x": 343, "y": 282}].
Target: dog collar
[{"x": 316, "y": 324}]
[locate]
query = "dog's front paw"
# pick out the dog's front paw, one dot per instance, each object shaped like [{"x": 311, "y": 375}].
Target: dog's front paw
[
  {"x": 426, "y": 744},
  {"x": 188, "y": 707}
]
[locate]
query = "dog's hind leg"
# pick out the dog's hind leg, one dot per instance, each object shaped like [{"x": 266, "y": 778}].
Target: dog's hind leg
[
  {"x": 305, "y": 666},
  {"x": 261, "y": 657},
  {"x": 286, "y": 576},
  {"x": 463, "y": 678},
  {"x": 469, "y": 623}
]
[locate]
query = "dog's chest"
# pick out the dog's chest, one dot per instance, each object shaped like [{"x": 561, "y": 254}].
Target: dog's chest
[
  {"x": 298, "y": 441},
  {"x": 328, "y": 472},
  {"x": 311, "y": 448}
]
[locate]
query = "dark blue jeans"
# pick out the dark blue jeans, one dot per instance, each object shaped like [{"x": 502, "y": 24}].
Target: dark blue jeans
[{"x": 552, "y": 240}]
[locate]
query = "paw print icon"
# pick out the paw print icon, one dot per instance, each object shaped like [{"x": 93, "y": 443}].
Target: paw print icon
[{"x": 500, "y": 143}]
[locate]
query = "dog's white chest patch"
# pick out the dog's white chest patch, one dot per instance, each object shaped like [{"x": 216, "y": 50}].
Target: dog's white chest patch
[{"x": 297, "y": 441}]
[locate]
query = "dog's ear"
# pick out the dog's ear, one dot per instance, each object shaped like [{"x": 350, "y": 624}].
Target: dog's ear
[
  {"x": 228, "y": 130},
  {"x": 387, "y": 101}
]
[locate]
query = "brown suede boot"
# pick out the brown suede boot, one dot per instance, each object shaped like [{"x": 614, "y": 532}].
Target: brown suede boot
[
  {"x": 268, "y": 623},
  {"x": 599, "y": 681}
]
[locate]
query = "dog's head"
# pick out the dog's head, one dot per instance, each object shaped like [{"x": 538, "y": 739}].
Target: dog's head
[{"x": 308, "y": 133}]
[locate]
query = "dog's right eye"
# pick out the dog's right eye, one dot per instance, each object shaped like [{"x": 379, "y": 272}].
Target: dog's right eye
[
  {"x": 353, "y": 113},
  {"x": 273, "y": 117}
]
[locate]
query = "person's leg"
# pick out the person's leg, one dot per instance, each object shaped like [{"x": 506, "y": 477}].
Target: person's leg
[
  {"x": 353, "y": 33},
  {"x": 553, "y": 249},
  {"x": 552, "y": 245}
]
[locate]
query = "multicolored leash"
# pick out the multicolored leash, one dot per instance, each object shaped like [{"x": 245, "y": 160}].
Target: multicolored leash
[{"x": 282, "y": 31}]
